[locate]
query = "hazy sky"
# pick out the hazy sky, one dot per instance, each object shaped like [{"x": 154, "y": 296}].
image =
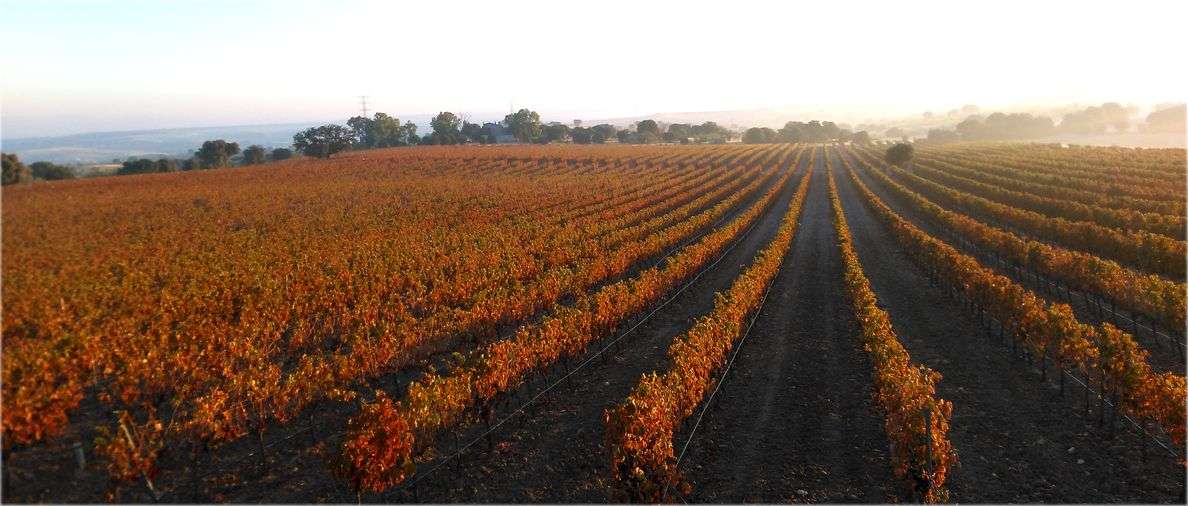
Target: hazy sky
[{"x": 116, "y": 65}]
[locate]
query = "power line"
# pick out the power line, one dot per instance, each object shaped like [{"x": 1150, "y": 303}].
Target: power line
[{"x": 363, "y": 104}]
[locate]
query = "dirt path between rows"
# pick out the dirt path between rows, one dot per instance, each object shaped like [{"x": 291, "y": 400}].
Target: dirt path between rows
[
  {"x": 1165, "y": 355},
  {"x": 555, "y": 451},
  {"x": 794, "y": 421},
  {"x": 1017, "y": 439}
]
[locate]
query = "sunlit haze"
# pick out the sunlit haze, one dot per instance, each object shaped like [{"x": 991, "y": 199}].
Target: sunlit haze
[{"x": 87, "y": 66}]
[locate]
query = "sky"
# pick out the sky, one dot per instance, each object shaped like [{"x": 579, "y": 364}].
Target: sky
[{"x": 79, "y": 66}]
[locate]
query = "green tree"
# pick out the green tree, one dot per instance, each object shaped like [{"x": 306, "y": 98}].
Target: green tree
[
  {"x": 711, "y": 132},
  {"x": 14, "y": 171},
  {"x": 793, "y": 131},
  {"x": 814, "y": 131},
  {"x": 380, "y": 131},
  {"x": 679, "y": 132},
  {"x": 649, "y": 128},
  {"x": 50, "y": 171},
  {"x": 861, "y": 137},
  {"x": 646, "y": 137},
  {"x": 407, "y": 135},
  {"x": 166, "y": 165},
  {"x": 323, "y": 141},
  {"x": 604, "y": 131},
  {"x": 254, "y": 154},
  {"x": 581, "y": 135},
  {"x": 556, "y": 132},
  {"x": 141, "y": 166},
  {"x": 447, "y": 128},
  {"x": 760, "y": 135},
  {"x": 146, "y": 166},
  {"x": 217, "y": 153},
  {"x": 473, "y": 132},
  {"x": 279, "y": 154},
  {"x": 524, "y": 125},
  {"x": 362, "y": 132},
  {"x": 900, "y": 154}
]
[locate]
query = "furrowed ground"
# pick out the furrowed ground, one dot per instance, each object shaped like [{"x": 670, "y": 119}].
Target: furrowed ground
[{"x": 726, "y": 323}]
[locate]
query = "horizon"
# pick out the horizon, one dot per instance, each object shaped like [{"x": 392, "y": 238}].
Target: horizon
[
  {"x": 423, "y": 118},
  {"x": 89, "y": 78}
]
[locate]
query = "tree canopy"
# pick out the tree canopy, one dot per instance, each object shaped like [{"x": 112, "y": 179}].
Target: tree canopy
[
  {"x": 604, "y": 131},
  {"x": 1097, "y": 120},
  {"x": 813, "y": 131},
  {"x": 1167, "y": 119},
  {"x": 474, "y": 132},
  {"x": 524, "y": 125},
  {"x": 50, "y": 171},
  {"x": 323, "y": 141},
  {"x": 648, "y": 128},
  {"x": 679, "y": 132},
  {"x": 381, "y": 131},
  {"x": 900, "y": 153},
  {"x": 760, "y": 135},
  {"x": 146, "y": 166},
  {"x": 711, "y": 132},
  {"x": 254, "y": 154},
  {"x": 581, "y": 135},
  {"x": 281, "y": 154},
  {"x": 447, "y": 128},
  {"x": 14, "y": 171},
  {"x": 217, "y": 153},
  {"x": 555, "y": 132},
  {"x": 1000, "y": 126}
]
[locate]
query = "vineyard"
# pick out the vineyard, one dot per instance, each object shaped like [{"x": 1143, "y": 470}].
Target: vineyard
[{"x": 990, "y": 322}]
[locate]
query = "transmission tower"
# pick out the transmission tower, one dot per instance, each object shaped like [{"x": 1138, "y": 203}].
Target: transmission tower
[{"x": 363, "y": 104}]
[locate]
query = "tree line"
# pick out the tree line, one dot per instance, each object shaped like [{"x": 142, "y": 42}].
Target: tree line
[
  {"x": 799, "y": 131},
  {"x": 1093, "y": 120},
  {"x": 525, "y": 126},
  {"x": 14, "y": 171},
  {"x": 213, "y": 154}
]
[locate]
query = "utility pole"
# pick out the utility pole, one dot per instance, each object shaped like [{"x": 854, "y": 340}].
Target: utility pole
[{"x": 363, "y": 104}]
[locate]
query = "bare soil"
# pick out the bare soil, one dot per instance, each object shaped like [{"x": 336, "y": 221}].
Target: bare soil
[
  {"x": 795, "y": 421},
  {"x": 1018, "y": 439},
  {"x": 554, "y": 451}
]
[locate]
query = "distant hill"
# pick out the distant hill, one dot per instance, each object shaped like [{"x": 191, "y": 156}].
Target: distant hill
[
  {"x": 100, "y": 147},
  {"x": 103, "y": 147}
]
